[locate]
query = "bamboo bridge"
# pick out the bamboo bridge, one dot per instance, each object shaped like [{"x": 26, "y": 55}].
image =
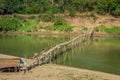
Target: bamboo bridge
[{"x": 48, "y": 56}]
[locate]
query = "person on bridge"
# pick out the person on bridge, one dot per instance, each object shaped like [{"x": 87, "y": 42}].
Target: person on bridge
[{"x": 36, "y": 58}]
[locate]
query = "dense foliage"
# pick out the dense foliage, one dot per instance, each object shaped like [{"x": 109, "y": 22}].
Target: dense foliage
[
  {"x": 59, "y": 6},
  {"x": 108, "y": 6},
  {"x": 48, "y": 11},
  {"x": 7, "y": 24},
  {"x": 17, "y": 23}
]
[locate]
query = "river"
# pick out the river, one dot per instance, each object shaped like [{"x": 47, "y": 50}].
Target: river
[
  {"x": 27, "y": 45},
  {"x": 101, "y": 54}
]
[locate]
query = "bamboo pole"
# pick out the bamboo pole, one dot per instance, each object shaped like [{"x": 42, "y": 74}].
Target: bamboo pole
[{"x": 62, "y": 47}]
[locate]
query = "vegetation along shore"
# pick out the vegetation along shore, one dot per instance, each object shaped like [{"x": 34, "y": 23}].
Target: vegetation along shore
[{"x": 59, "y": 17}]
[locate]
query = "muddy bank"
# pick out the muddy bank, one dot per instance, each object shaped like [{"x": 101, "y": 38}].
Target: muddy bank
[{"x": 57, "y": 72}]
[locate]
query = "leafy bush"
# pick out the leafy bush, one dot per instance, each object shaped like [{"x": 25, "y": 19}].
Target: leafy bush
[
  {"x": 60, "y": 25},
  {"x": 30, "y": 25},
  {"x": 116, "y": 12},
  {"x": 65, "y": 28},
  {"x": 96, "y": 29},
  {"x": 7, "y": 24},
  {"x": 101, "y": 28},
  {"x": 108, "y": 6},
  {"x": 47, "y": 17},
  {"x": 72, "y": 11},
  {"x": 59, "y": 21}
]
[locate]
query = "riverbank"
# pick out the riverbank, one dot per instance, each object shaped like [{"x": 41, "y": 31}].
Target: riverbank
[
  {"x": 107, "y": 25},
  {"x": 76, "y": 33},
  {"x": 57, "y": 72}
]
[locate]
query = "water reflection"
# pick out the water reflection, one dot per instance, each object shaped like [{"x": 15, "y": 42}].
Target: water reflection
[
  {"x": 27, "y": 45},
  {"x": 102, "y": 54}
]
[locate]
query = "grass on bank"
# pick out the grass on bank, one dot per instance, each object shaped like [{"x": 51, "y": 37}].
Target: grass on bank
[
  {"x": 109, "y": 30},
  {"x": 60, "y": 25},
  {"x": 33, "y": 23},
  {"x": 29, "y": 24}
]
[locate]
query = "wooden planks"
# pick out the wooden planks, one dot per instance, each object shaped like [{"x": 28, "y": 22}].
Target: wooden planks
[{"x": 9, "y": 62}]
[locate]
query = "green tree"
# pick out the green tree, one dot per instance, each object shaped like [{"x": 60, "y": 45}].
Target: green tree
[{"x": 108, "y": 6}]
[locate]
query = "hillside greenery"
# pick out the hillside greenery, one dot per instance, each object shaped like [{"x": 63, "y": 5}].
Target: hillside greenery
[
  {"x": 50, "y": 11},
  {"x": 59, "y": 6},
  {"x": 32, "y": 23}
]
